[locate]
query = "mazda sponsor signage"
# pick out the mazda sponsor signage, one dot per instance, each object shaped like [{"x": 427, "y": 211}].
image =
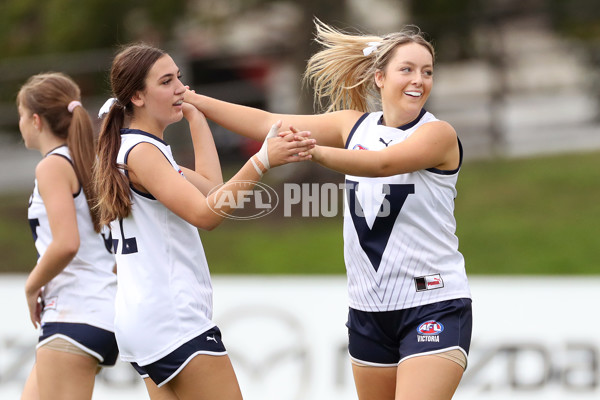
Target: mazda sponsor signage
[{"x": 533, "y": 338}]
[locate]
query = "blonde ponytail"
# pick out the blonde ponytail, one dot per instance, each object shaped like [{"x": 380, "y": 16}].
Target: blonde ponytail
[{"x": 342, "y": 73}]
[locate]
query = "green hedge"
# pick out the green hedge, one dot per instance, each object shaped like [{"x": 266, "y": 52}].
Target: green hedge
[{"x": 523, "y": 216}]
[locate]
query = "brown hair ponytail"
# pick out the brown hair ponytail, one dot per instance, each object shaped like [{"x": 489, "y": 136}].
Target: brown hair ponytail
[
  {"x": 49, "y": 95},
  {"x": 80, "y": 141},
  {"x": 113, "y": 199},
  {"x": 127, "y": 76}
]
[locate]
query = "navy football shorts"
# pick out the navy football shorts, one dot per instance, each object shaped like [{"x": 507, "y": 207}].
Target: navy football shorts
[
  {"x": 97, "y": 342},
  {"x": 387, "y": 338},
  {"x": 165, "y": 369}
]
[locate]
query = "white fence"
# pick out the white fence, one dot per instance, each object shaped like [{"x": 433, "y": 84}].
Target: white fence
[{"x": 533, "y": 338}]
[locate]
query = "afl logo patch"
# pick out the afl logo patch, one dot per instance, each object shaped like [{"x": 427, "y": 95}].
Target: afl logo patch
[
  {"x": 235, "y": 203},
  {"x": 359, "y": 147},
  {"x": 430, "y": 328}
]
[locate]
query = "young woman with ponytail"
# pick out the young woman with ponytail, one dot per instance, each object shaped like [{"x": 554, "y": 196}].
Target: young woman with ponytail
[
  {"x": 409, "y": 318},
  {"x": 163, "y": 320},
  {"x": 71, "y": 290}
]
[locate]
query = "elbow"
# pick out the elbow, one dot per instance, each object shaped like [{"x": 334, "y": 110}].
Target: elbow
[
  {"x": 382, "y": 169},
  {"x": 208, "y": 226},
  {"x": 388, "y": 165},
  {"x": 207, "y": 222},
  {"x": 69, "y": 248},
  {"x": 73, "y": 248}
]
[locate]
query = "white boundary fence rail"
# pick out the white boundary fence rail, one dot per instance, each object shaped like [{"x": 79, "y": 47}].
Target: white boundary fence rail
[{"x": 533, "y": 338}]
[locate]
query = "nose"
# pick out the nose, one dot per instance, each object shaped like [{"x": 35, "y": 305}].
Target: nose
[
  {"x": 417, "y": 78},
  {"x": 180, "y": 87}
]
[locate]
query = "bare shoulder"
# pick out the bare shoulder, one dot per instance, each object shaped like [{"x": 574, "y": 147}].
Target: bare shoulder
[
  {"x": 54, "y": 167},
  {"x": 346, "y": 119},
  {"x": 145, "y": 153},
  {"x": 439, "y": 129},
  {"x": 145, "y": 163},
  {"x": 442, "y": 125},
  {"x": 440, "y": 140},
  {"x": 55, "y": 174}
]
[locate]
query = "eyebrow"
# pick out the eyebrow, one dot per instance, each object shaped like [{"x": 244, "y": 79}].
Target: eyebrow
[
  {"x": 169, "y": 75},
  {"x": 413, "y": 64}
]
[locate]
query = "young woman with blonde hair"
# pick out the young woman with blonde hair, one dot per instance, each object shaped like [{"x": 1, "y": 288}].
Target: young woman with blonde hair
[
  {"x": 409, "y": 321},
  {"x": 163, "y": 320},
  {"x": 71, "y": 290}
]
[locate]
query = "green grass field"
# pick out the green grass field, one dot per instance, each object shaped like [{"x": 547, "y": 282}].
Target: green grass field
[
  {"x": 531, "y": 216},
  {"x": 525, "y": 216}
]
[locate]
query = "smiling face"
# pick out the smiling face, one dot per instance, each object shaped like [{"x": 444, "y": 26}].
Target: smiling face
[
  {"x": 406, "y": 81},
  {"x": 160, "y": 103}
]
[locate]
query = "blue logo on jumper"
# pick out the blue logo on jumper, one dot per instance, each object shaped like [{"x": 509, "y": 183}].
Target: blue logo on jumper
[{"x": 430, "y": 328}]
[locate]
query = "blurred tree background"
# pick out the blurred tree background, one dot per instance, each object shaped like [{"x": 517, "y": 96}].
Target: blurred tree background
[
  {"x": 461, "y": 29},
  {"x": 254, "y": 51},
  {"x": 30, "y": 27},
  {"x": 55, "y": 26}
]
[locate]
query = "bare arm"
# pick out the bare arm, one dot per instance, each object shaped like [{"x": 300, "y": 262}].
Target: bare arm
[
  {"x": 56, "y": 181},
  {"x": 433, "y": 145},
  {"x": 207, "y": 168},
  {"x": 150, "y": 171},
  {"x": 329, "y": 129}
]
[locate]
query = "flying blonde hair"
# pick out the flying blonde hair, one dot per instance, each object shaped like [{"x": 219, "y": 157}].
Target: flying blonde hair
[{"x": 342, "y": 75}]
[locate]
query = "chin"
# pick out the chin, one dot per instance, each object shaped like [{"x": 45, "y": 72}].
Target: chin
[
  {"x": 176, "y": 118},
  {"x": 414, "y": 107}
]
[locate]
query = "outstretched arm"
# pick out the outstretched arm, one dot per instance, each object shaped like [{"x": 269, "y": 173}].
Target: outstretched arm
[
  {"x": 433, "y": 145},
  {"x": 330, "y": 129},
  {"x": 151, "y": 172}
]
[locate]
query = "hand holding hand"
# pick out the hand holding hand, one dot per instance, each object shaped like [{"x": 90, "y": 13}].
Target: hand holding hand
[
  {"x": 282, "y": 148},
  {"x": 312, "y": 152},
  {"x": 190, "y": 111}
]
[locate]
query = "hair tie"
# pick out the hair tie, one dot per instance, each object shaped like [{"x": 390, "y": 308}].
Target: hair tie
[
  {"x": 371, "y": 47},
  {"x": 106, "y": 107},
  {"x": 72, "y": 105}
]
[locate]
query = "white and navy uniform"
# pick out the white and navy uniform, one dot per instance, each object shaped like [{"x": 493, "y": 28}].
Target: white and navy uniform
[
  {"x": 408, "y": 290},
  {"x": 400, "y": 246},
  {"x": 164, "y": 296},
  {"x": 84, "y": 292}
]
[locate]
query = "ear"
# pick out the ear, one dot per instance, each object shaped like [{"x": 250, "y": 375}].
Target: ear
[
  {"x": 379, "y": 78},
  {"x": 37, "y": 121},
  {"x": 138, "y": 99}
]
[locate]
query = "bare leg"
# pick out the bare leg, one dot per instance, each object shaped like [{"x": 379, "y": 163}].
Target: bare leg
[
  {"x": 374, "y": 383},
  {"x": 207, "y": 378},
  {"x": 30, "y": 391},
  {"x": 159, "y": 393},
  {"x": 427, "y": 378},
  {"x": 65, "y": 376}
]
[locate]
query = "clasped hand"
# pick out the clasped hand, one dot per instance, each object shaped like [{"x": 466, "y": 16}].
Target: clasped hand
[{"x": 289, "y": 146}]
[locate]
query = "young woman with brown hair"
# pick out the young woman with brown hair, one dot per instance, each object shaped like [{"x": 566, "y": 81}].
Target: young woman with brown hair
[
  {"x": 72, "y": 288},
  {"x": 163, "y": 318}
]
